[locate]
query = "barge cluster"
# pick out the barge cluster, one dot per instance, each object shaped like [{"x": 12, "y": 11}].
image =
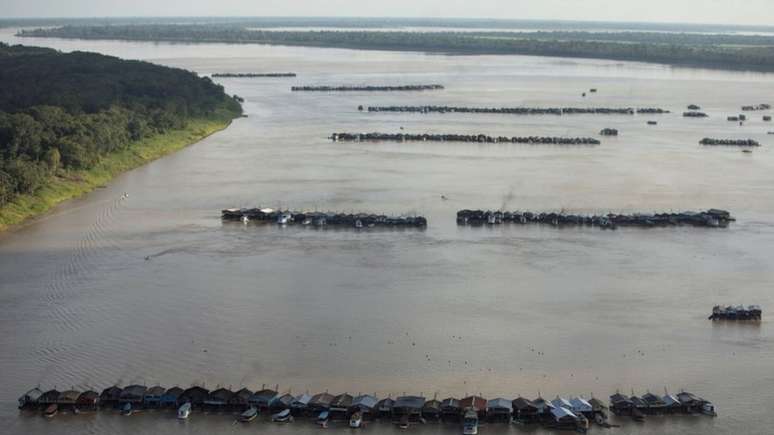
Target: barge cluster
[
  {"x": 366, "y": 88},
  {"x": 729, "y": 142},
  {"x": 480, "y": 138},
  {"x": 252, "y": 75},
  {"x": 574, "y": 413},
  {"x": 711, "y": 218},
  {"x": 518, "y": 110},
  {"x": 738, "y": 312},
  {"x": 321, "y": 219},
  {"x": 756, "y": 107}
]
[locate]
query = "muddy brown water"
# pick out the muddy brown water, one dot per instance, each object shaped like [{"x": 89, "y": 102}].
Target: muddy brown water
[{"x": 505, "y": 311}]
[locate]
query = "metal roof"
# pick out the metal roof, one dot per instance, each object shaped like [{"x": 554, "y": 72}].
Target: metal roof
[
  {"x": 410, "y": 402},
  {"x": 560, "y": 412},
  {"x": 476, "y": 402},
  {"x": 365, "y": 401},
  {"x": 522, "y": 403},
  {"x": 580, "y": 404},
  {"x": 499, "y": 403},
  {"x": 301, "y": 400}
]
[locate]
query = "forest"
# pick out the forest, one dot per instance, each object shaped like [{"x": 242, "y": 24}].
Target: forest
[
  {"x": 62, "y": 111},
  {"x": 725, "y": 51}
]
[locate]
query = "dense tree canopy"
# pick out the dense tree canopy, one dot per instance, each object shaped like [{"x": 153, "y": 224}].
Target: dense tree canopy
[
  {"x": 65, "y": 111},
  {"x": 732, "y": 51}
]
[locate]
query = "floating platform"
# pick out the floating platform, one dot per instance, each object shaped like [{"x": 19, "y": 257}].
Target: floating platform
[
  {"x": 402, "y": 88},
  {"x": 252, "y": 75},
  {"x": 469, "y": 138},
  {"x": 321, "y": 219},
  {"x": 756, "y": 107},
  {"x": 738, "y": 312},
  {"x": 518, "y": 110},
  {"x": 609, "y": 132},
  {"x": 729, "y": 142},
  {"x": 695, "y": 114},
  {"x": 713, "y": 218}
]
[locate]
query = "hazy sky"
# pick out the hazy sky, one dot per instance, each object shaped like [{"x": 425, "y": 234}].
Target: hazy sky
[{"x": 690, "y": 11}]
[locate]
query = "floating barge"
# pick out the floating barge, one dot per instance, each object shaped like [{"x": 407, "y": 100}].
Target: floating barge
[
  {"x": 321, "y": 219},
  {"x": 609, "y": 132},
  {"x": 729, "y": 142},
  {"x": 756, "y": 107},
  {"x": 738, "y": 312},
  {"x": 519, "y": 110},
  {"x": 468, "y": 138},
  {"x": 712, "y": 218},
  {"x": 252, "y": 75},
  {"x": 402, "y": 88},
  {"x": 650, "y": 404},
  {"x": 694, "y": 114}
]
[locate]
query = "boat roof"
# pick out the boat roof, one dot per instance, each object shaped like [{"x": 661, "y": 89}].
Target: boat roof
[
  {"x": 671, "y": 400},
  {"x": 113, "y": 392},
  {"x": 33, "y": 394},
  {"x": 222, "y": 394},
  {"x": 244, "y": 393},
  {"x": 302, "y": 399},
  {"x": 500, "y": 403},
  {"x": 561, "y": 412},
  {"x": 321, "y": 399},
  {"x": 596, "y": 403},
  {"x": 561, "y": 402},
  {"x": 522, "y": 403},
  {"x": 386, "y": 403},
  {"x": 579, "y": 403},
  {"x": 365, "y": 401},
  {"x": 342, "y": 401},
  {"x": 173, "y": 392},
  {"x": 432, "y": 404},
  {"x": 652, "y": 399},
  {"x": 155, "y": 391},
  {"x": 88, "y": 396},
  {"x": 476, "y": 402},
  {"x": 450, "y": 402},
  {"x": 69, "y": 396},
  {"x": 618, "y": 398},
  {"x": 412, "y": 402},
  {"x": 134, "y": 391}
]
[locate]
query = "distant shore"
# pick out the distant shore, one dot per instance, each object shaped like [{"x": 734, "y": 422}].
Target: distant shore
[{"x": 70, "y": 184}]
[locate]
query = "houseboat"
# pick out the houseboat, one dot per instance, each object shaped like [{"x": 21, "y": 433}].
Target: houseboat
[{"x": 30, "y": 398}]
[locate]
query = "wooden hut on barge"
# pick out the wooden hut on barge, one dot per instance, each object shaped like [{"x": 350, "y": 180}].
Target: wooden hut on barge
[
  {"x": 240, "y": 401},
  {"x": 339, "y": 406},
  {"x": 170, "y": 397},
  {"x": 153, "y": 396},
  {"x": 499, "y": 410},
  {"x": 281, "y": 402},
  {"x": 50, "y": 397},
  {"x": 261, "y": 399},
  {"x": 195, "y": 395},
  {"x": 365, "y": 404},
  {"x": 431, "y": 410},
  {"x": 218, "y": 399},
  {"x": 30, "y": 399},
  {"x": 88, "y": 401},
  {"x": 409, "y": 406},
  {"x": 321, "y": 402},
  {"x": 477, "y": 403},
  {"x": 300, "y": 404},
  {"x": 110, "y": 396},
  {"x": 450, "y": 409},
  {"x": 133, "y": 394},
  {"x": 525, "y": 411},
  {"x": 384, "y": 407},
  {"x": 68, "y": 399},
  {"x": 655, "y": 404}
]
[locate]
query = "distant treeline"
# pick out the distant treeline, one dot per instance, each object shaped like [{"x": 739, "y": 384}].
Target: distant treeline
[
  {"x": 742, "y": 52},
  {"x": 64, "y": 111}
]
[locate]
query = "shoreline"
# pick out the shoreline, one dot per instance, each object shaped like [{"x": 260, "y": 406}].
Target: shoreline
[{"x": 73, "y": 184}]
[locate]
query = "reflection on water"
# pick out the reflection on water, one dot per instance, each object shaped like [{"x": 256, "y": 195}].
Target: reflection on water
[{"x": 505, "y": 311}]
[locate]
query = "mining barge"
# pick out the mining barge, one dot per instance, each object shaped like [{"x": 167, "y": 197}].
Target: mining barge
[
  {"x": 321, "y": 219},
  {"x": 738, "y": 312},
  {"x": 472, "y": 138},
  {"x": 366, "y": 88},
  {"x": 518, "y": 110},
  {"x": 712, "y": 218}
]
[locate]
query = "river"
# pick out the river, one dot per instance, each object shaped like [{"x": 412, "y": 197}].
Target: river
[{"x": 504, "y": 311}]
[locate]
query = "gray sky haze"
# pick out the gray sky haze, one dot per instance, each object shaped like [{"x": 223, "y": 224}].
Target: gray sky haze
[{"x": 683, "y": 11}]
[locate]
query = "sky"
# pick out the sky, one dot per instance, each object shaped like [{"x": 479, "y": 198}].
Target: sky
[{"x": 682, "y": 11}]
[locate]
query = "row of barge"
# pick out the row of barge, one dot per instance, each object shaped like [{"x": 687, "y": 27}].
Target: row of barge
[
  {"x": 712, "y": 218},
  {"x": 431, "y": 87},
  {"x": 519, "y": 110},
  {"x": 252, "y": 75},
  {"x": 575, "y": 413},
  {"x": 470, "y": 138},
  {"x": 736, "y": 312},
  {"x": 729, "y": 142},
  {"x": 321, "y": 219}
]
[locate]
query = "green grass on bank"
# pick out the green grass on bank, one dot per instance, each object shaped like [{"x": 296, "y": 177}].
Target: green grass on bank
[{"x": 69, "y": 184}]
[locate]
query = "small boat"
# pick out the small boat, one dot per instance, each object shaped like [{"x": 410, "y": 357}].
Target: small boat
[
  {"x": 282, "y": 417},
  {"x": 404, "y": 422},
  {"x": 358, "y": 223},
  {"x": 637, "y": 415},
  {"x": 127, "y": 409},
  {"x": 51, "y": 410},
  {"x": 707, "y": 408},
  {"x": 245, "y": 219},
  {"x": 746, "y": 151},
  {"x": 322, "y": 419},
  {"x": 249, "y": 414},
  {"x": 284, "y": 218},
  {"x": 470, "y": 423},
  {"x": 356, "y": 420},
  {"x": 652, "y": 123},
  {"x": 184, "y": 411}
]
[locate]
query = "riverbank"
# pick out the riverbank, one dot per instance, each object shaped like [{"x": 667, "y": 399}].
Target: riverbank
[{"x": 70, "y": 184}]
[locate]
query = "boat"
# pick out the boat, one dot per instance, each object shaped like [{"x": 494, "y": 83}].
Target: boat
[
  {"x": 249, "y": 414},
  {"x": 707, "y": 408},
  {"x": 282, "y": 417},
  {"x": 184, "y": 411},
  {"x": 126, "y": 409},
  {"x": 652, "y": 123},
  {"x": 356, "y": 420},
  {"x": 51, "y": 410},
  {"x": 637, "y": 415},
  {"x": 470, "y": 422},
  {"x": 322, "y": 419},
  {"x": 284, "y": 218},
  {"x": 404, "y": 422},
  {"x": 245, "y": 219}
]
